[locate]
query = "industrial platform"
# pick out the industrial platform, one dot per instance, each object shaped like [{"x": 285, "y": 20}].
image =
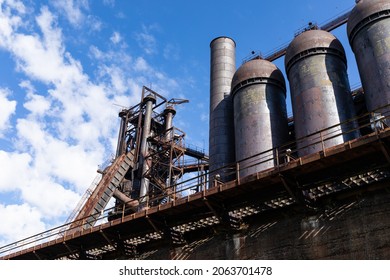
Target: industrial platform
[{"x": 349, "y": 169}]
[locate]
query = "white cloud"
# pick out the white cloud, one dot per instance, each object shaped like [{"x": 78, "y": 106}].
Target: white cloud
[
  {"x": 7, "y": 110},
  {"x": 165, "y": 84},
  {"x": 141, "y": 65},
  {"x": 9, "y": 19},
  {"x": 119, "y": 58},
  {"x": 146, "y": 40},
  {"x": 70, "y": 124},
  {"x": 38, "y": 105},
  {"x": 93, "y": 23},
  {"x": 57, "y": 159},
  {"x": 14, "y": 4},
  {"x": 73, "y": 10},
  {"x": 116, "y": 38},
  {"x": 96, "y": 53},
  {"x": 117, "y": 78},
  {"x": 44, "y": 58},
  {"x": 14, "y": 170},
  {"x": 171, "y": 52},
  {"x": 19, "y": 221},
  {"x": 110, "y": 3},
  {"x": 49, "y": 198}
]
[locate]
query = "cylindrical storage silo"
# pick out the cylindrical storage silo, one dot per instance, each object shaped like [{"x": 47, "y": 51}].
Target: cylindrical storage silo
[
  {"x": 316, "y": 67},
  {"x": 260, "y": 115},
  {"x": 221, "y": 135},
  {"x": 369, "y": 36}
]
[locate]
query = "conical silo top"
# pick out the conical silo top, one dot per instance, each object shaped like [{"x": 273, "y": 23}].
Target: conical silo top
[
  {"x": 312, "y": 40},
  {"x": 259, "y": 69},
  {"x": 363, "y": 10}
]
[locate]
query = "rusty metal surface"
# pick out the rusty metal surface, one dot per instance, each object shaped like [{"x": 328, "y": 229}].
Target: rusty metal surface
[
  {"x": 103, "y": 192},
  {"x": 369, "y": 36},
  {"x": 260, "y": 115},
  {"x": 221, "y": 137},
  {"x": 265, "y": 186},
  {"x": 300, "y": 182},
  {"x": 331, "y": 25},
  {"x": 362, "y": 11},
  {"x": 257, "y": 68},
  {"x": 320, "y": 92},
  {"x": 312, "y": 40},
  {"x": 169, "y": 113},
  {"x": 149, "y": 101}
]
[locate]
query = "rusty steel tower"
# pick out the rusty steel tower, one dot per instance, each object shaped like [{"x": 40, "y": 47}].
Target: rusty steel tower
[
  {"x": 149, "y": 161},
  {"x": 273, "y": 190}
]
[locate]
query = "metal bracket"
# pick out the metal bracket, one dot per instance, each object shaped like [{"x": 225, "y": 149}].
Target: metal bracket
[
  {"x": 109, "y": 241},
  {"x": 83, "y": 254},
  {"x": 153, "y": 224},
  {"x": 127, "y": 250},
  {"x": 222, "y": 215},
  {"x": 292, "y": 187}
]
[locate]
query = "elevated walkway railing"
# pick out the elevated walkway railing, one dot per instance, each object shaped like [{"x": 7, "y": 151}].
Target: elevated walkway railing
[{"x": 375, "y": 121}]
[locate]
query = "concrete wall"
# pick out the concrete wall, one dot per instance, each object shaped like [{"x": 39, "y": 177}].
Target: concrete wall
[{"x": 357, "y": 228}]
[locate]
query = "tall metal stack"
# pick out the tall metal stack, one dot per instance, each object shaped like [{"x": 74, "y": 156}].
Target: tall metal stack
[
  {"x": 221, "y": 137},
  {"x": 369, "y": 35},
  {"x": 260, "y": 115},
  {"x": 316, "y": 66}
]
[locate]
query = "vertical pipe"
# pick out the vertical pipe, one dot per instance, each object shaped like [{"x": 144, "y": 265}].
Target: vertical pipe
[
  {"x": 148, "y": 101},
  {"x": 169, "y": 113},
  {"x": 221, "y": 135},
  {"x": 120, "y": 149}
]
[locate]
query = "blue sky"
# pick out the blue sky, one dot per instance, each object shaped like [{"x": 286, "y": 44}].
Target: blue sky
[{"x": 66, "y": 65}]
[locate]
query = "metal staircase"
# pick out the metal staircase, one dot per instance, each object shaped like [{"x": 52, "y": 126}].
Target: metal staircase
[{"x": 98, "y": 200}]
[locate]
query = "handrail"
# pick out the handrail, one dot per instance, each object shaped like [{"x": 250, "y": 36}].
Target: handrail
[{"x": 280, "y": 156}]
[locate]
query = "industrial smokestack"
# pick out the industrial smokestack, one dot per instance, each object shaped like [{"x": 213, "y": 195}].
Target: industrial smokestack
[
  {"x": 221, "y": 135},
  {"x": 144, "y": 150},
  {"x": 169, "y": 113},
  {"x": 260, "y": 115},
  {"x": 369, "y": 36},
  {"x": 316, "y": 67}
]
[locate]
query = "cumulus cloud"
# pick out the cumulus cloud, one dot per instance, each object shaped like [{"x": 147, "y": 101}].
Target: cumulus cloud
[
  {"x": 38, "y": 105},
  {"x": 9, "y": 20},
  {"x": 69, "y": 123},
  {"x": 13, "y": 170},
  {"x": 16, "y": 226},
  {"x": 62, "y": 138},
  {"x": 55, "y": 158},
  {"x": 7, "y": 110},
  {"x": 49, "y": 198}
]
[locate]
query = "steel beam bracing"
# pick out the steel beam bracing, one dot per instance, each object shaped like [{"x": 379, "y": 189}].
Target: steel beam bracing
[{"x": 326, "y": 27}]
